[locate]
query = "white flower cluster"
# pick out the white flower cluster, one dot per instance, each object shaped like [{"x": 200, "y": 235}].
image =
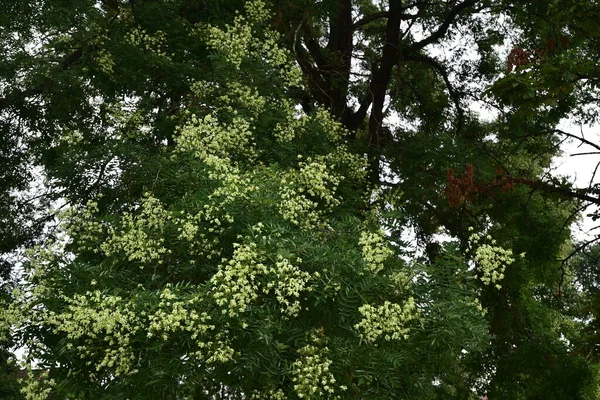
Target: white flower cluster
[
  {"x": 240, "y": 96},
  {"x": 201, "y": 233},
  {"x": 356, "y": 167},
  {"x": 236, "y": 284},
  {"x": 106, "y": 62},
  {"x": 311, "y": 375},
  {"x": 9, "y": 316},
  {"x": 234, "y": 186},
  {"x": 176, "y": 315},
  {"x": 149, "y": 42},
  {"x": 297, "y": 208},
  {"x": 491, "y": 260},
  {"x": 270, "y": 394},
  {"x": 288, "y": 282},
  {"x": 399, "y": 281},
  {"x": 293, "y": 125},
  {"x": 42, "y": 265},
  {"x": 94, "y": 316},
  {"x": 83, "y": 225},
  {"x": 37, "y": 385},
  {"x": 239, "y": 42},
  {"x": 71, "y": 137},
  {"x": 314, "y": 179},
  {"x": 389, "y": 320},
  {"x": 140, "y": 237},
  {"x": 207, "y": 136},
  {"x": 333, "y": 128},
  {"x": 240, "y": 280},
  {"x": 374, "y": 250}
]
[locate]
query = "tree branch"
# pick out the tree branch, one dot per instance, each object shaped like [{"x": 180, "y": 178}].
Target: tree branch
[
  {"x": 440, "y": 69},
  {"x": 368, "y": 19},
  {"x": 443, "y": 29},
  {"x": 581, "y": 139},
  {"x": 580, "y": 194},
  {"x": 381, "y": 76},
  {"x": 21, "y": 95}
]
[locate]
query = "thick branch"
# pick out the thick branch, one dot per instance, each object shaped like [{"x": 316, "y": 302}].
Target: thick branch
[
  {"x": 367, "y": 19},
  {"x": 443, "y": 28},
  {"x": 580, "y": 194},
  {"x": 313, "y": 47},
  {"x": 381, "y": 76},
  {"x": 442, "y": 71},
  {"x": 20, "y": 95},
  {"x": 580, "y": 138},
  {"x": 318, "y": 85},
  {"x": 340, "y": 46},
  {"x": 328, "y": 70}
]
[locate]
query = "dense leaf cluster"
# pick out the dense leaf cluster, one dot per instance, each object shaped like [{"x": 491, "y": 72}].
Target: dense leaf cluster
[{"x": 235, "y": 181}]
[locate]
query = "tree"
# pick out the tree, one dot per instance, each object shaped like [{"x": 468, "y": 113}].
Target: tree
[
  {"x": 227, "y": 187},
  {"x": 10, "y": 388},
  {"x": 254, "y": 265}
]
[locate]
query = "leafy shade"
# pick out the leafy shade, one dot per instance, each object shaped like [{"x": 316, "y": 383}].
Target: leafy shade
[
  {"x": 247, "y": 267},
  {"x": 235, "y": 211}
]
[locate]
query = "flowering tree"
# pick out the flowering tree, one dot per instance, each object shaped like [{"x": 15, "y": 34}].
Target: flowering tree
[
  {"x": 234, "y": 181},
  {"x": 254, "y": 264}
]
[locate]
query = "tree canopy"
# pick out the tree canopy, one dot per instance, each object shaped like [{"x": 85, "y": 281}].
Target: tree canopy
[{"x": 233, "y": 182}]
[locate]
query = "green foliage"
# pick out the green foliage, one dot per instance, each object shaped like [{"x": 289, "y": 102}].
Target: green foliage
[
  {"x": 10, "y": 388},
  {"x": 247, "y": 262},
  {"x": 234, "y": 225}
]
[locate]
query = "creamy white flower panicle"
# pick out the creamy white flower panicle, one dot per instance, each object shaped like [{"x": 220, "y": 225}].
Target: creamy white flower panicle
[
  {"x": 102, "y": 327},
  {"x": 307, "y": 192},
  {"x": 310, "y": 193},
  {"x": 42, "y": 261},
  {"x": 293, "y": 125},
  {"x": 310, "y": 372},
  {"x": 37, "y": 385},
  {"x": 238, "y": 41},
  {"x": 202, "y": 229},
  {"x": 241, "y": 280},
  {"x": 140, "y": 237},
  {"x": 71, "y": 137},
  {"x": 175, "y": 315},
  {"x": 114, "y": 321},
  {"x": 374, "y": 250},
  {"x": 153, "y": 42},
  {"x": 95, "y": 316},
  {"x": 208, "y": 136},
  {"x": 400, "y": 281},
  {"x": 334, "y": 129},
  {"x": 236, "y": 283},
  {"x": 303, "y": 190},
  {"x": 238, "y": 94},
  {"x": 24, "y": 308},
  {"x": 491, "y": 260},
  {"x": 200, "y": 232},
  {"x": 81, "y": 223},
  {"x": 288, "y": 282},
  {"x": 270, "y": 394},
  {"x": 355, "y": 166},
  {"x": 298, "y": 209},
  {"x": 317, "y": 180},
  {"x": 388, "y": 320}
]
